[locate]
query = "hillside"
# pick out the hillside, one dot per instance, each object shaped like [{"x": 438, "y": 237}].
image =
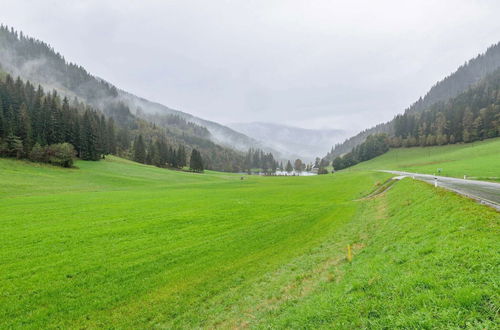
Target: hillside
[
  {"x": 471, "y": 116},
  {"x": 45, "y": 127},
  {"x": 478, "y": 160},
  {"x": 459, "y": 81},
  {"x": 93, "y": 246},
  {"x": 39, "y": 63},
  {"x": 292, "y": 142},
  {"x": 220, "y": 134}
]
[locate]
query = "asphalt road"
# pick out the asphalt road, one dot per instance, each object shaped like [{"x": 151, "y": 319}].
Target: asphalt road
[{"x": 482, "y": 191}]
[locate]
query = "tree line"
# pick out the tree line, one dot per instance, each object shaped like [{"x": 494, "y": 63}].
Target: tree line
[
  {"x": 159, "y": 153},
  {"x": 19, "y": 52},
  {"x": 411, "y": 131},
  {"x": 31, "y": 118},
  {"x": 375, "y": 145},
  {"x": 473, "y": 115},
  {"x": 44, "y": 127},
  {"x": 258, "y": 159}
]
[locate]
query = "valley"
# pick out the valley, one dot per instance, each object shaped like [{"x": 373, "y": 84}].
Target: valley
[
  {"x": 331, "y": 165},
  {"x": 94, "y": 245}
]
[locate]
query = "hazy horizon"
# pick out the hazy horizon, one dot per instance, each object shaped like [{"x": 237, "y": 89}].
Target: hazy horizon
[{"x": 309, "y": 65}]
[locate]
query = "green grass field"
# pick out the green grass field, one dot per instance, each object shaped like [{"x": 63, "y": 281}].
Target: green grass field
[
  {"x": 115, "y": 244},
  {"x": 478, "y": 160}
]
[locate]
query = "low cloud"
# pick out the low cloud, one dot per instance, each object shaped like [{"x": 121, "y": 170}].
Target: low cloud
[{"x": 309, "y": 64}]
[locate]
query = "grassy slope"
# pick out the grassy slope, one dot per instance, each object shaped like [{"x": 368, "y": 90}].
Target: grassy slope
[
  {"x": 479, "y": 160},
  {"x": 422, "y": 260},
  {"x": 119, "y": 243}
]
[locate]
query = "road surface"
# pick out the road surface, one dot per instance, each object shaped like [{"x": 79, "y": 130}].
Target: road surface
[{"x": 485, "y": 192}]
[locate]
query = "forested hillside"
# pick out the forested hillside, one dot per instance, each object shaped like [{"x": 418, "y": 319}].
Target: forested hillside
[
  {"x": 47, "y": 128},
  {"x": 38, "y": 62},
  {"x": 466, "y": 76},
  {"x": 35, "y": 61},
  {"x": 471, "y": 116}
]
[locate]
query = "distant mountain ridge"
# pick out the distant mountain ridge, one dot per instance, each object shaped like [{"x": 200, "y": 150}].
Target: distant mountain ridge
[
  {"x": 459, "y": 81},
  {"x": 219, "y": 133},
  {"x": 292, "y": 142}
]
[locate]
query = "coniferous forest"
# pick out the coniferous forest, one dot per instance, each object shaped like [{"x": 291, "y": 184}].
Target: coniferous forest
[
  {"x": 258, "y": 159},
  {"x": 30, "y": 119},
  {"x": 466, "y": 77},
  {"x": 166, "y": 137},
  {"x": 44, "y": 127},
  {"x": 473, "y": 115}
]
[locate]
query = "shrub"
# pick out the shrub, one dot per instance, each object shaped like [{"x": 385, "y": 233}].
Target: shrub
[
  {"x": 61, "y": 154},
  {"x": 38, "y": 154},
  {"x": 14, "y": 146},
  {"x": 322, "y": 170}
]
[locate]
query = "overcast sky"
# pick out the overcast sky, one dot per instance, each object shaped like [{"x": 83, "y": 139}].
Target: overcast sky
[{"x": 313, "y": 64}]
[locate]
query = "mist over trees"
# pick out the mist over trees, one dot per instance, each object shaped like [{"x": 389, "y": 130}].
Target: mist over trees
[
  {"x": 467, "y": 75},
  {"x": 298, "y": 166},
  {"x": 196, "y": 162},
  {"x": 375, "y": 145},
  {"x": 36, "y": 61},
  {"x": 258, "y": 159},
  {"x": 471, "y": 116},
  {"x": 44, "y": 127}
]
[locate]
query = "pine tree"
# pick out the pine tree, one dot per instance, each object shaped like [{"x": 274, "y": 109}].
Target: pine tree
[
  {"x": 2, "y": 121},
  {"x": 139, "y": 150},
  {"x": 478, "y": 129},
  {"x": 123, "y": 141},
  {"x": 88, "y": 149},
  {"x": 111, "y": 137},
  {"x": 14, "y": 146},
  {"x": 149, "y": 154},
  {"x": 181, "y": 156},
  {"x": 154, "y": 151},
  {"x": 37, "y": 120},
  {"x": 24, "y": 129},
  {"x": 196, "y": 162},
  {"x": 174, "y": 158},
  {"x": 298, "y": 165}
]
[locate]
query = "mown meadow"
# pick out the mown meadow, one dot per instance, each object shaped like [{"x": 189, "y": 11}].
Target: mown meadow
[
  {"x": 116, "y": 244},
  {"x": 478, "y": 160}
]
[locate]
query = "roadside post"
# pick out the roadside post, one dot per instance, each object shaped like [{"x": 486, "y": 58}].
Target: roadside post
[{"x": 435, "y": 182}]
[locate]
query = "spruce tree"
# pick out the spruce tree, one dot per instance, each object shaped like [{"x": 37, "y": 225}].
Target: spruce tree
[
  {"x": 88, "y": 149},
  {"x": 111, "y": 137},
  {"x": 2, "y": 121},
  {"x": 24, "y": 129},
  {"x": 139, "y": 150},
  {"x": 196, "y": 162},
  {"x": 181, "y": 156}
]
